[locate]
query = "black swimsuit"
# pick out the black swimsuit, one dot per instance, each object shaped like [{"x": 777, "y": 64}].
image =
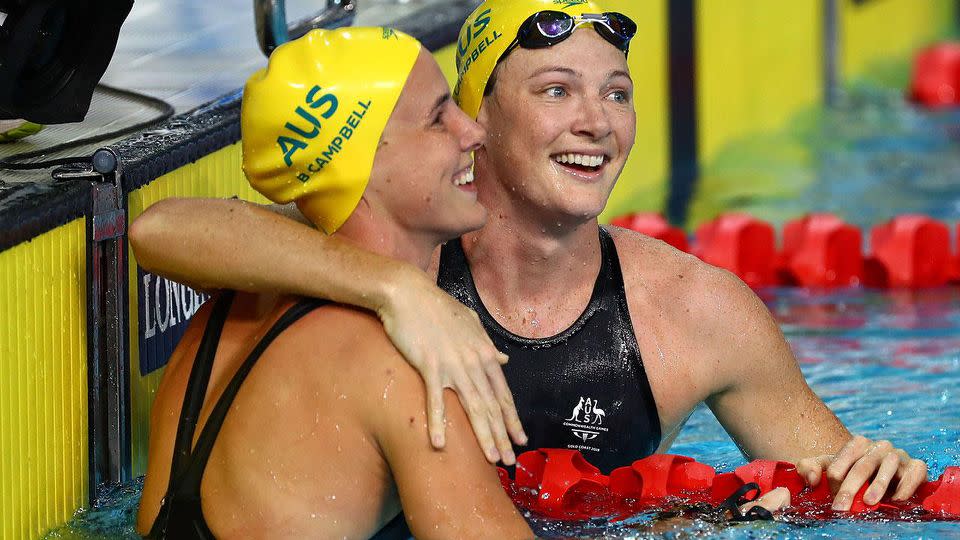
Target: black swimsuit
[
  {"x": 181, "y": 515},
  {"x": 584, "y": 388}
]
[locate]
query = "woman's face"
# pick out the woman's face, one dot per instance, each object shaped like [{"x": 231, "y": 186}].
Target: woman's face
[
  {"x": 560, "y": 124},
  {"x": 423, "y": 171}
]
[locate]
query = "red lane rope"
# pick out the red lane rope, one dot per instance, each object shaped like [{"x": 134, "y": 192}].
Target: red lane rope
[
  {"x": 818, "y": 251},
  {"x": 562, "y": 484}
]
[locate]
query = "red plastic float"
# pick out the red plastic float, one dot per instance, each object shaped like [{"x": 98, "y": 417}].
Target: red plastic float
[
  {"x": 820, "y": 250},
  {"x": 561, "y": 484},
  {"x": 954, "y": 275},
  {"x": 936, "y": 76},
  {"x": 910, "y": 251},
  {"x": 654, "y": 226},
  {"x": 741, "y": 244}
]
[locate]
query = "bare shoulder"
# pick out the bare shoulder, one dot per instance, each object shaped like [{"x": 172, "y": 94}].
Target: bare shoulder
[
  {"x": 660, "y": 269},
  {"x": 349, "y": 346},
  {"x": 351, "y": 337},
  {"x": 714, "y": 304}
]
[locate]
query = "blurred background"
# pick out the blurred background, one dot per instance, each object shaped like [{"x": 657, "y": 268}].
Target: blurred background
[{"x": 772, "y": 108}]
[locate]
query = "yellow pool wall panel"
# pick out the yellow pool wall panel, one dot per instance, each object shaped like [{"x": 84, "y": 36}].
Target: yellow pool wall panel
[
  {"x": 885, "y": 30},
  {"x": 215, "y": 175},
  {"x": 43, "y": 382},
  {"x": 757, "y": 63},
  {"x": 760, "y": 84}
]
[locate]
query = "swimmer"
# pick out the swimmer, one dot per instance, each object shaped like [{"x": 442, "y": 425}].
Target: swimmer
[
  {"x": 646, "y": 332},
  {"x": 280, "y": 417}
]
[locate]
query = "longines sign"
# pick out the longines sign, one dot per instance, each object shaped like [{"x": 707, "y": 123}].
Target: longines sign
[{"x": 165, "y": 309}]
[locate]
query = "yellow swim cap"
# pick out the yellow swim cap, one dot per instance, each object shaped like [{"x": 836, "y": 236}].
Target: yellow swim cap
[
  {"x": 312, "y": 120},
  {"x": 487, "y": 33}
]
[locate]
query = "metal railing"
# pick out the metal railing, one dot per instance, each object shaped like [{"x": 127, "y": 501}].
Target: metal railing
[{"x": 273, "y": 29}]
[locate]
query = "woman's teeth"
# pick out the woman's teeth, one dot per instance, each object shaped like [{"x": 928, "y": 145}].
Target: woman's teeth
[
  {"x": 580, "y": 159},
  {"x": 464, "y": 179}
]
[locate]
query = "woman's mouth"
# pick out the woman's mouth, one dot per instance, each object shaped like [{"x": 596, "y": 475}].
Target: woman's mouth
[
  {"x": 582, "y": 165},
  {"x": 464, "y": 180}
]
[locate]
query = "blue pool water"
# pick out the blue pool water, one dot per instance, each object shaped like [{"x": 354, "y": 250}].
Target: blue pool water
[{"x": 888, "y": 363}]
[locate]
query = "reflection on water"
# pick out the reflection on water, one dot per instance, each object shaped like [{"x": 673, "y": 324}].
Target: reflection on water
[
  {"x": 872, "y": 157},
  {"x": 890, "y": 157}
]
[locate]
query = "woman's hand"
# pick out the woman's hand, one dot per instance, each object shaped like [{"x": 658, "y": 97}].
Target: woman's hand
[
  {"x": 445, "y": 341},
  {"x": 859, "y": 461}
]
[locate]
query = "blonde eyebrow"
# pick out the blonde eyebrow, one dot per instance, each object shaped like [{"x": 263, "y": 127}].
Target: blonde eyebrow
[
  {"x": 559, "y": 69},
  {"x": 619, "y": 73}
]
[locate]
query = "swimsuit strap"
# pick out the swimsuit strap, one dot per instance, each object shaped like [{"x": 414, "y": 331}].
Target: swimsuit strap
[
  {"x": 208, "y": 436},
  {"x": 197, "y": 385},
  {"x": 181, "y": 514}
]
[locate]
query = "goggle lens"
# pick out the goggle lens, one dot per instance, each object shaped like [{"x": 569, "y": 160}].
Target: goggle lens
[
  {"x": 553, "y": 25},
  {"x": 621, "y": 26}
]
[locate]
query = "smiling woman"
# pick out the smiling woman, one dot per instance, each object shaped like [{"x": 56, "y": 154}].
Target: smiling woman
[{"x": 585, "y": 125}]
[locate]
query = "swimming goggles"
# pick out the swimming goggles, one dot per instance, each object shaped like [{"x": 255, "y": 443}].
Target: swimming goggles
[{"x": 547, "y": 28}]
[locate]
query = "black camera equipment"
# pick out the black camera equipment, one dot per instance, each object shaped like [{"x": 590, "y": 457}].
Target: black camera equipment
[{"x": 53, "y": 53}]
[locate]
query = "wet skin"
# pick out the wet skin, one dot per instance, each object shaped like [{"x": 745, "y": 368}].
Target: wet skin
[{"x": 704, "y": 336}]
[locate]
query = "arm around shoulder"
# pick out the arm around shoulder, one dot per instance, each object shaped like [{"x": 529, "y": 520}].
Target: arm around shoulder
[
  {"x": 234, "y": 244},
  {"x": 449, "y": 493}
]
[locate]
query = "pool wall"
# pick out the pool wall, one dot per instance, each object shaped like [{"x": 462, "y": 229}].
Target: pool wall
[
  {"x": 58, "y": 244},
  {"x": 43, "y": 381}
]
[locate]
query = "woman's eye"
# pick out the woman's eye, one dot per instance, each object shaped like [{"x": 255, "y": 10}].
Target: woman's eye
[
  {"x": 438, "y": 119},
  {"x": 620, "y": 96},
  {"x": 556, "y": 91}
]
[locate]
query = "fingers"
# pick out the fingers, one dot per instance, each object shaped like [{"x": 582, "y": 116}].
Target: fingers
[
  {"x": 860, "y": 461},
  {"x": 860, "y": 472},
  {"x": 477, "y": 412},
  {"x": 494, "y": 414},
  {"x": 811, "y": 469},
  {"x": 912, "y": 474},
  {"x": 507, "y": 407},
  {"x": 844, "y": 461},
  {"x": 774, "y": 500},
  {"x": 436, "y": 421},
  {"x": 888, "y": 467}
]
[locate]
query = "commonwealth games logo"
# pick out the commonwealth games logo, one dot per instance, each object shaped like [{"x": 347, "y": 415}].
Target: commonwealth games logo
[{"x": 586, "y": 420}]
